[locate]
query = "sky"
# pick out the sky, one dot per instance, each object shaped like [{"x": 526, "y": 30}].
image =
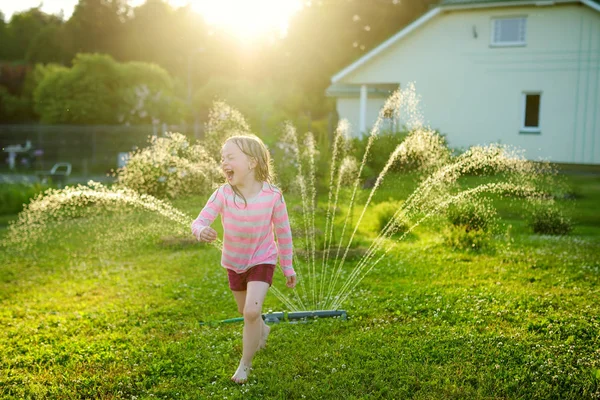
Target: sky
[{"x": 253, "y": 17}]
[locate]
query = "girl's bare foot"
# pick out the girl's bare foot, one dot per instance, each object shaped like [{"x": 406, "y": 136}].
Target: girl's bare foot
[
  {"x": 241, "y": 375},
  {"x": 265, "y": 334}
]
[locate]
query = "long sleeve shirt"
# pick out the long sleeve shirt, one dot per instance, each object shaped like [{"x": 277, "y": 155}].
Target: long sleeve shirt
[{"x": 248, "y": 238}]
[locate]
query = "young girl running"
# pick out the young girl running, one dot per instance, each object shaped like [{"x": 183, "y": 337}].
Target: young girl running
[{"x": 250, "y": 207}]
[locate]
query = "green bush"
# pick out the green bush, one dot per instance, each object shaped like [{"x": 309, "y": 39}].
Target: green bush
[
  {"x": 380, "y": 152},
  {"x": 14, "y": 196},
  {"x": 547, "y": 219},
  {"x": 170, "y": 167},
  {"x": 459, "y": 238},
  {"x": 472, "y": 224},
  {"x": 384, "y": 212},
  {"x": 99, "y": 90},
  {"x": 422, "y": 150},
  {"x": 14, "y": 108},
  {"x": 472, "y": 215},
  {"x": 224, "y": 121}
]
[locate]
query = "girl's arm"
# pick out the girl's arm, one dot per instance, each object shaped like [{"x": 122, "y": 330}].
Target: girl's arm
[
  {"x": 213, "y": 207},
  {"x": 283, "y": 231}
]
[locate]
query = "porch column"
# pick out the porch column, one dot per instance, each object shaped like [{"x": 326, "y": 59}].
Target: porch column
[{"x": 362, "y": 121}]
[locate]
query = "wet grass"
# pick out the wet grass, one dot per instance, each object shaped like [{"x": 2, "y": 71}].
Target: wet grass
[{"x": 106, "y": 309}]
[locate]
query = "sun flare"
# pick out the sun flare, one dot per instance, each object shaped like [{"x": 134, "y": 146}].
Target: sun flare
[{"x": 248, "y": 19}]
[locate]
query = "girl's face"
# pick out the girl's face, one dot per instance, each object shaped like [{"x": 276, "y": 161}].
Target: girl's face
[{"x": 237, "y": 166}]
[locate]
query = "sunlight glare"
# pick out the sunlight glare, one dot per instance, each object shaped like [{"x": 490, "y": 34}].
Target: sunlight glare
[{"x": 248, "y": 19}]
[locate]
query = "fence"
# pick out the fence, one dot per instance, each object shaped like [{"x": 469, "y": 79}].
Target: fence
[
  {"x": 94, "y": 149},
  {"x": 89, "y": 149}
]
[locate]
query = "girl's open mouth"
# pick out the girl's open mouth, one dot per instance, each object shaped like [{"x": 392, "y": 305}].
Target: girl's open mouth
[{"x": 229, "y": 174}]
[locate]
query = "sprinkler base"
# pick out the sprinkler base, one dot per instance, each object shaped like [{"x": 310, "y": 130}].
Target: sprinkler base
[
  {"x": 300, "y": 315},
  {"x": 295, "y": 316}
]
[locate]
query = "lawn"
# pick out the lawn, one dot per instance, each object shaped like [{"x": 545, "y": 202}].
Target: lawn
[{"x": 110, "y": 306}]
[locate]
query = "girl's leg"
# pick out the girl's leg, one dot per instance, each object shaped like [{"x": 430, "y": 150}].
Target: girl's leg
[
  {"x": 253, "y": 324},
  {"x": 240, "y": 299}
]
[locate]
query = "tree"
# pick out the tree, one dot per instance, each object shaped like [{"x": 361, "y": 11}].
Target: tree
[
  {"x": 4, "y": 39},
  {"x": 149, "y": 95},
  {"x": 99, "y": 90},
  {"x": 96, "y": 26},
  {"x": 50, "y": 45},
  {"x": 23, "y": 28}
]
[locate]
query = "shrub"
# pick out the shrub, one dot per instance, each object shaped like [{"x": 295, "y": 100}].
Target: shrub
[
  {"x": 472, "y": 223},
  {"x": 472, "y": 214},
  {"x": 170, "y": 167},
  {"x": 384, "y": 212},
  {"x": 224, "y": 121},
  {"x": 422, "y": 149},
  {"x": 14, "y": 108},
  {"x": 547, "y": 219},
  {"x": 14, "y": 196},
  {"x": 381, "y": 149},
  {"x": 458, "y": 238}
]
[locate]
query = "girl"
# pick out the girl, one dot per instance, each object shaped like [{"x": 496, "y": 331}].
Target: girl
[{"x": 250, "y": 207}]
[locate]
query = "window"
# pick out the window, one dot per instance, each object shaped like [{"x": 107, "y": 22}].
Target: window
[
  {"x": 509, "y": 31},
  {"x": 531, "y": 112}
]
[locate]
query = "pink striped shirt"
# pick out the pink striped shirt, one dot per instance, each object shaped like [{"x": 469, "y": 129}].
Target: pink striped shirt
[{"x": 248, "y": 238}]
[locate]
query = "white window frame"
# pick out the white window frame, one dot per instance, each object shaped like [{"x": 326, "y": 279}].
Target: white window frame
[
  {"x": 520, "y": 43},
  {"x": 530, "y": 129}
]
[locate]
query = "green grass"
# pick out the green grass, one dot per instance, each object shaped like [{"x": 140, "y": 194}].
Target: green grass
[{"x": 106, "y": 309}]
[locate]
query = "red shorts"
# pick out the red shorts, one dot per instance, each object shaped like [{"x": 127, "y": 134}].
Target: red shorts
[{"x": 260, "y": 272}]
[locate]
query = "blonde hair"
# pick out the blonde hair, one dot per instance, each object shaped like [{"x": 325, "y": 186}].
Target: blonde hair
[{"x": 253, "y": 147}]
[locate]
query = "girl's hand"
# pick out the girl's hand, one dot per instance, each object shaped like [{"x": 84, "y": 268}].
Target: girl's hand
[
  {"x": 208, "y": 234},
  {"x": 291, "y": 281}
]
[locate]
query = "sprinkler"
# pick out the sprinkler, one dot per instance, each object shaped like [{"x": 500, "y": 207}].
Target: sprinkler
[
  {"x": 317, "y": 314},
  {"x": 292, "y": 317}
]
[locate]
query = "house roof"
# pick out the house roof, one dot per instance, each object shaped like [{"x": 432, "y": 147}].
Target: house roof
[
  {"x": 450, "y": 5},
  {"x": 377, "y": 90},
  {"x": 483, "y": 2}
]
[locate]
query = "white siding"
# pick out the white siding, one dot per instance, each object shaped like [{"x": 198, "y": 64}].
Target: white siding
[
  {"x": 473, "y": 92},
  {"x": 347, "y": 107}
]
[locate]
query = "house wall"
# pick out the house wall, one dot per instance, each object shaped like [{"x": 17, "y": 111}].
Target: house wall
[
  {"x": 472, "y": 92},
  {"x": 347, "y": 107}
]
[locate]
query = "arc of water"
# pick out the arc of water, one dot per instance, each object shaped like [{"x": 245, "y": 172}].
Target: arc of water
[
  {"x": 335, "y": 275},
  {"x": 298, "y": 297},
  {"x": 310, "y": 149},
  {"x": 284, "y": 299},
  {"x": 339, "y": 135},
  {"x": 290, "y": 135},
  {"x": 375, "y": 246},
  {"x": 472, "y": 159},
  {"x": 447, "y": 174},
  {"x": 378, "y": 182},
  {"x": 389, "y": 229},
  {"x": 391, "y": 104},
  {"x": 331, "y": 225},
  {"x": 43, "y": 207},
  {"x": 352, "y": 282}
]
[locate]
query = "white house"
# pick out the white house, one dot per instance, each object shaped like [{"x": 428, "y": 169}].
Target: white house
[{"x": 518, "y": 72}]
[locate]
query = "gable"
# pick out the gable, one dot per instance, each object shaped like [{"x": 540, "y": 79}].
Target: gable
[
  {"x": 503, "y": 2},
  {"x": 454, "y": 6}
]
